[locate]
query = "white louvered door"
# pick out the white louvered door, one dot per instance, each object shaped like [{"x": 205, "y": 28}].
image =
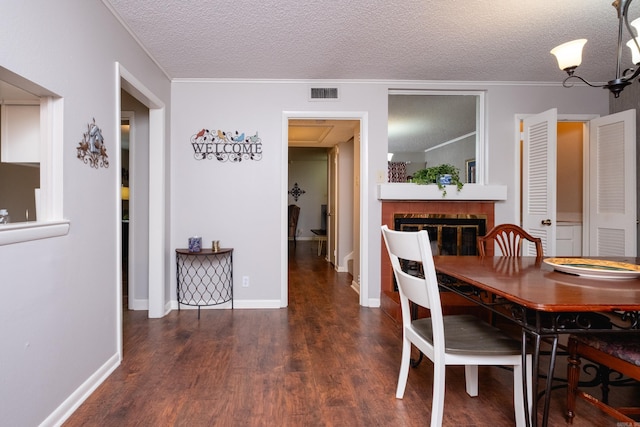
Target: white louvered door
[
  {"x": 612, "y": 182},
  {"x": 539, "y": 155}
]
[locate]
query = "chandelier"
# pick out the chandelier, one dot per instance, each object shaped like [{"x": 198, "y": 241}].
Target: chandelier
[{"x": 569, "y": 55}]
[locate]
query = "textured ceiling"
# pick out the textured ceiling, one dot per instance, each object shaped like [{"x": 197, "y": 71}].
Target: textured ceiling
[
  {"x": 453, "y": 40},
  {"x": 476, "y": 40}
]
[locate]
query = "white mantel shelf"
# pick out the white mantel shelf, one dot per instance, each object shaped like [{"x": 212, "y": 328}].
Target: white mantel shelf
[{"x": 410, "y": 191}]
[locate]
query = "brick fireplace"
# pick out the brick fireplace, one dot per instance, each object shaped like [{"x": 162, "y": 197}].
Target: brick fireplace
[{"x": 452, "y": 225}]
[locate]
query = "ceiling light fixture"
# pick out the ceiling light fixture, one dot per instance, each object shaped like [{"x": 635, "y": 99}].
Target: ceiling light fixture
[{"x": 569, "y": 55}]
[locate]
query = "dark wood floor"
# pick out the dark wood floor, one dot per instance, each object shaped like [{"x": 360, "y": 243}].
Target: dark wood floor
[{"x": 323, "y": 361}]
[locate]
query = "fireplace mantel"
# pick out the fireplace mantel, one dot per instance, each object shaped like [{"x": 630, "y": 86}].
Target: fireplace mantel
[{"x": 410, "y": 191}]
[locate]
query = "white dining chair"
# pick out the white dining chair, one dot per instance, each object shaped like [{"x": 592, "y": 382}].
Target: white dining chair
[{"x": 447, "y": 340}]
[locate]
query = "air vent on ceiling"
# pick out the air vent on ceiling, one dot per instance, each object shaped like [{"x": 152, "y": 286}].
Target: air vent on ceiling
[{"x": 324, "y": 93}]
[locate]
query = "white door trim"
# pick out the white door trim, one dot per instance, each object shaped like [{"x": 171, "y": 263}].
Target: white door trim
[{"x": 157, "y": 186}]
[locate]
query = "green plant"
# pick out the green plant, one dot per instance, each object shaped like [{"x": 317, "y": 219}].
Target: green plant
[{"x": 431, "y": 176}]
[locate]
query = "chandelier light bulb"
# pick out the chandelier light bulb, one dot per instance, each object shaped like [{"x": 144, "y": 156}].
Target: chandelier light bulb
[
  {"x": 636, "y": 24},
  {"x": 633, "y": 44},
  {"x": 635, "y": 54},
  {"x": 569, "y": 55}
]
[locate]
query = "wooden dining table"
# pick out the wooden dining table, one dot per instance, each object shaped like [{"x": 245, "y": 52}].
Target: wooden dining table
[{"x": 544, "y": 302}]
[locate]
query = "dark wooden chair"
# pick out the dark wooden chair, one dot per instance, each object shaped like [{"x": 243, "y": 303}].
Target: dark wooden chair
[
  {"x": 509, "y": 238},
  {"x": 617, "y": 352},
  {"x": 294, "y": 214}
]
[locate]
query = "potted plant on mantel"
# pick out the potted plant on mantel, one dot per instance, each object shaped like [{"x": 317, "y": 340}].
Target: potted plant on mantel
[{"x": 440, "y": 175}]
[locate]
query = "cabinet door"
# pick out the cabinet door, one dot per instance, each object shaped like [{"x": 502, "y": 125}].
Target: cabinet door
[{"x": 20, "y": 137}]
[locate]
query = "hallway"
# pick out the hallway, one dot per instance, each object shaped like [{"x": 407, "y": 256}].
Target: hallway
[{"x": 323, "y": 361}]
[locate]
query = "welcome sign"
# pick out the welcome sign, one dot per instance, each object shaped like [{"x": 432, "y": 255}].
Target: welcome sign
[{"x": 226, "y": 146}]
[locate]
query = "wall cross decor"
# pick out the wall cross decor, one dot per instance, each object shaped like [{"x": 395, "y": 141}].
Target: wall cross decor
[
  {"x": 226, "y": 146},
  {"x": 296, "y": 192},
  {"x": 91, "y": 150}
]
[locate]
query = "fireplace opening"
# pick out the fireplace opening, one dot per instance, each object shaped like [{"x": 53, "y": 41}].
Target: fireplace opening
[{"x": 449, "y": 234}]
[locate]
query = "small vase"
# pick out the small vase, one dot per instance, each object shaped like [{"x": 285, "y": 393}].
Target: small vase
[{"x": 445, "y": 179}]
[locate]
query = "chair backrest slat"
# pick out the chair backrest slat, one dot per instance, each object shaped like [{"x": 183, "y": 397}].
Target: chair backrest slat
[
  {"x": 509, "y": 238},
  {"x": 423, "y": 289}
]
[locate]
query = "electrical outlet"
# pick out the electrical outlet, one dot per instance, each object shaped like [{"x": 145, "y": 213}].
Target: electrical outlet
[{"x": 245, "y": 281}]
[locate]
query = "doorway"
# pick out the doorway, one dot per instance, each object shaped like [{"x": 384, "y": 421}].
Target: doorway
[
  {"x": 321, "y": 167},
  {"x": 154, "y": 107},
  {"x": 354, "y": 202},
  {"x": 608, "y": 217},
  {"x": 135, "y": 184},
  {"x": 126, "y": 139},
  {"x": 567, "y": 196}
]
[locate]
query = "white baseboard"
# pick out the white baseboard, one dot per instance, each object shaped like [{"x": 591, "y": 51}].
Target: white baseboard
[
  {"x": 374, "y": 302},
  {"x": 355, "y": 286},
  {"x": 341, "y": 269},
  {"x": 139, "y": 304},
  {"x": 64, "y": 411}
]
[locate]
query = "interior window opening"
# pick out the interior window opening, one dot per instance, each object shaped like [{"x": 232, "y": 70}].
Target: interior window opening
[
  {"x": 30, "y": 160},
  {"x": 431, "y": 128}
]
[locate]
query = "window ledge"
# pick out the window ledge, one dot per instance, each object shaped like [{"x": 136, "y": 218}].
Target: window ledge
[{"x": 27, "y": 231}]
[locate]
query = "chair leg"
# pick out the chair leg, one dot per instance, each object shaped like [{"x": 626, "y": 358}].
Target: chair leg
[
  {"x": 530, "y": 380},
  {"x": 471, "y": 379},
  {"x": 518, "y": 393},
  {"x": 573, "y": 376},
  {"x": 437, "y": 400},
  {"x": 404, "y": 368}
]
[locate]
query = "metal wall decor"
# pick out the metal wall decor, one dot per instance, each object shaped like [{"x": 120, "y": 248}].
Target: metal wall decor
[
  {"x": 91, "y": 150},
  {"x": 296, "y": 192},
  {"x": 226, "y": 146}
]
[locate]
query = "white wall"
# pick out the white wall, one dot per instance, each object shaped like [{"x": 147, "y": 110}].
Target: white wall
[
  {"x": 308, "y": 168},
  {"x": 241, "y": 203},
  {"x": 226, "y": 198},
  {"x": 59, "y": 323},
  {"x": 569, "y": 172}
]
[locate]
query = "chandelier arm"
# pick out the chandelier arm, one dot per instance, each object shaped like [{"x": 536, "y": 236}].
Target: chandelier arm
[
  {"x": 573, "y": 76},
  {"x": 636, "y": 73},
  {"x": 625, "y": 7}
]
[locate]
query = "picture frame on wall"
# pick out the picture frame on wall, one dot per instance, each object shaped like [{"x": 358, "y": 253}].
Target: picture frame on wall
[{"x": 471, "y": 171}]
